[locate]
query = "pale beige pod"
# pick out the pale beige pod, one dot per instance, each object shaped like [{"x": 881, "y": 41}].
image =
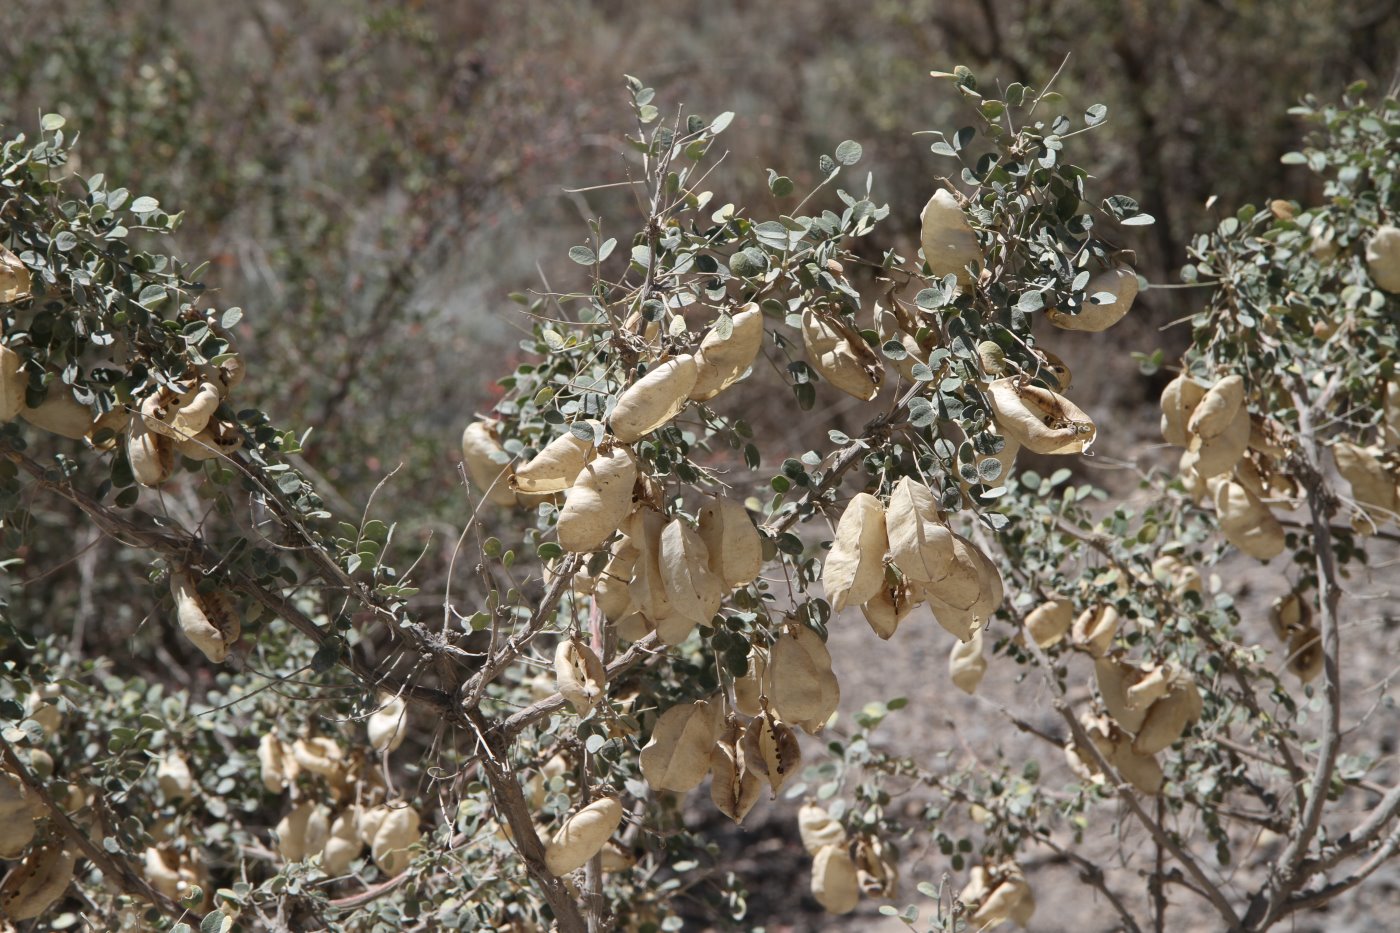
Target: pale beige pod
[
  {"x": 343, "y": 845},
  {"x": 721, "y": 361},
  {"x": 12, "y": 383},
  {"x": 218, "y": 439},
  {"x": 802, "y": 687},
  {"x": 854, "y": 570},
  {"x": 174, "y": 778},
  {"x": 654, "y": 399},
  {"x": 579, "y": 675},
  {"x": 948, "y": 240},
  {"x": 598, "y": 502},
  {"x": 731, "y": 540},
  {"x": 488, "y": 464},
  {"x": 302, "y": 833},
  {"x": 207, "y": 619},
  {"x": 1120, "y": 282},
  {"x": 648, "y": 592},
  {"x": 1288, "y": 615},
  {"x": 36, "y": 884},
  {"x": 16, "y": 816},
  {"x": 920, "y": 541},
  {"x": 734, "y": 789},
  {"x": 273, "y": 764},
  {"x": 1040, "y": 420},
  {"x": 1115, "y": 678},
  {"x": 841, "y": 356},
  {"x": 1219, "y": 454},
  {"x": 556, "y": 466},
  {"x": 1179, "y": 401},
  {"x": 834, "y": 882},
  {"x": 1372, "y": 485},
  {"x": 677, "y": 756},
  {"x": 1010, "y": 898},
  {"x": 966, "y": 599},
  {"x": 1217, "y": 407},
  {"x": 396, "y": 833},
  {"x": 162, "y": 871},
  {"x": 151, "y": 455},
  {"x": 979, "y": 885},
  {"x": 1383, "y": 258},
  {"x": 60, "y": 413},
  {"x": 749, "y": 688},
  {"x": 1247, "y": 523},
  {"x": 611, "y": 592},
  {"x": 582, "y": 836},
  {"x": 817, "y": 829},
  {"x": 771, "y": 751},
  {"x": 966, "y": 665},
  {"x": 1050, "y": 621},
  {"x": 1305, "y": 655},
  {"x": 1171, "y": 570},
  {"x": 320, "y": 755},
  {"x": 193, "y": 410},
  {"x": 1094, "y": 629},
  {"x": 387, "y": 726},
  {"x": 886, "y": 609},
  {"x": 14, "y": 277},
  {"x": 876, "y": 868},
  {"x": 1169, "y": 715},
  {"x": 692, "y": 588}
]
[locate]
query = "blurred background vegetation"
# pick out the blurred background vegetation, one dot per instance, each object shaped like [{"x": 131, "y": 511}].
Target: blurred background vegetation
[{"x": 370, "y": 180}]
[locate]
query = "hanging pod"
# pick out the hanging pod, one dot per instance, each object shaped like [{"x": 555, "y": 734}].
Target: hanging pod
[
  {"x": 854, "y": 569},
  {"x": 1372, "y": 485},
  {"x": 1179, "y": 401},
  {"x": 1246, "y": 522},
  {"x": 598, "y": 502},
  {"x": 36, "y": 884},
  {"x": 13, "y": 382},
  {"x": 692, "y": 588},
  {"x": 920, "y": 541},
  {"x": 1040, "y": 420},
  {"x": 1119, "y": 282},
  {"x": 802, "y": 688},
  {"x": 14, "y": 277},
  {"x": 841, "y": 356},
  {"x": 834, "y": 882},
  {"x": 653, "y": 400},
  {"x": 60, "y": 413},
  {"x": 897, "y": 598},
  {"x": 965, "y": 599},
  {"x": 731, "y": 540},
  {"x": 388, "y": 725},
  {"x": 303, "y": 832},
  {"x": 17, "y": 812},
  {"x": 488, "y": 464},
  {"x": 1169, "y": 715},
  {"x": 721, "y": 361},
  {"x": 207, "y": 619},
  {"x": 579, "y": 675},
  {"x": 817, "y": 829},
  {"x": 966, "y": 665},
  {"x": 1050, "y": 621},
  {"x": 734, "y": 789},
  {"x": 948, "y": 240},
  {"x": 582, "y": 836},
  {"x": 1094, "y": 629},
  {"x": 556, "y": 466},
  {"x": 677, "y": 755},
  {"x": 771, "y": 750},
  {"x": 1383, "y": 258}
]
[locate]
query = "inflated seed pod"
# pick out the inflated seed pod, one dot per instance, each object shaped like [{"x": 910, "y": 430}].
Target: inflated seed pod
[
  {"x": 207, "y": 619},
  {"x": 14, "y": 277},
  {"x": 734, "y": 789},
  {"x": 920, "y": 541},
  {"x": 616, "y": 859},
  {"x": 1383, "y": 258},
  {"x": 611, "y": 591},
  {"x": 1050, "y": 621},
  {"x": 817, "y": 829},
  {"x": 343, "y": 844},
  {"x": 1179, "y": 401},
  {"x": 1040, "y": 420},
  {"x": 948, "y": 240},
  {"x": 1288, "y": 615},
  {"x": 1247, "y": 522},
  {"x": 162, "y": 870},
  {"x": 151, "y": 455},
  {"x": 1305, "y": 656},
  {"x": 598, "y": 502},
  {"x": 731, "y": 540},
  {"x": 36, "y": 884},
  {"x": 654, "y": 399},
  {"x": 720, "y": 361},
  {"x": 979, "y": 885},
  {"x": 218, "y": 439},
  {"x": 174, "y": 778},
  {"x": 194, "y": 409},
  {"x": 582, "y": 836},
  {"x": 556, "y": 466},
  {"x": 854, "y": 570},
  {"x": 1120, "y": 282},
  {"x": 276, "y": 767},
  {"x": 876, "y": 868},
  {"x": 488, "y": 464},
  {"x": 396, "y": 833},
  {"x": 1217, "y": 407},
  {"x": 771, "y": 751},
  {"x": 1372, "y": 485},
  {"x": 966, "y": 665},
  {"x": 677, "y": 756},
  {"x": 802, "y": 688},
  {"x": 16, "y": 816},
  {"x": 1115, "y": 678},
  {"x": 1169, "y": 715},
  {"x": 579, "y": 675},
  {"x": 897, "y": 598},
  {"x": 748, "y": 688},
  {"x": 13, "y": 381},
  {"x": 320, "y": 755},
  {"x": 965, "y": 599},
  {"x": 1008, "y": 897},
  {"x": 1219, "y": 454},
  {"x": 841, "y": 356},
  {"x": 648, "y": 591},
  {"x": 1171, "y": 570},
  {"x": 387, "y": 726},
  {"x": 1054, "y": 370},
  {"x": 692, "y": 588},
  {"x": 60, "y": 413},
  {"x": 1094, "y": 629},
  {"x": 834, "y": 883},
  {"x": 302, "y": 833}
]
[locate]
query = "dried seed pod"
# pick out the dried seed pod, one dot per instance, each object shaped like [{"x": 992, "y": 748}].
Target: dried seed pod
[
  {"x": 1115, "y": 678},
  {"x": 275, "y": 766},
  {"x": 60, "y": 413},
  {"x": 1305, "y": 656},
  {"x": 1050, "y": 621},
  {"x": 556, "y": 466},
  {"x": 193, "y": 410},
  {"x": 151, "y": 455},
  {"x": 1217, "y": 407},
  {"x": 321, "y": 755},
  {"x": 396, "y": 832},
  {"x": 616, "y": 859},
  {"x": 841, "y": 356},
  {"x": 1372, "y": 485},
  {"x": 854, "y": 570},
  {"x": 1383, "y": 258},
  {"x": 965, "y": 599},
  {"x": 582, "y": 836},
  {"x": 598, "y": 502},
  {"x": 1004, "y": 895},
  {"x": 1040, "y": 420},
  {"x": 302, "y": 833},
  {"x": 948, "y": 240},
  {"x": 1171, "y": 570},
  {"x": 647, "y": 589},
  {"x": 886, "y": 609},
  {"x": 219, "y": 439},
  {"x": 579, "y": 675},
  {"x": 611, "y": 592},
  {"x": 1219, "y": 454},
  {"x": 834, "y": 882},
  {"x": 207, "y": 619},
  {"x": 1115, "y": 745},
  {"x": 1095, "y": 628},
  {"x": 920, "y": 541},
  {"x": 1179, "y": 401},
  {"x": 1054, "y": 370},
  {"x": 771, "y": 751},
  {"x": 13, "y": 379},
  {"x": 731, "y": 540},
  {"x": 979, "y": 885},
  {"x": 14, "y": 278},
  {"x": 37, "y": 706},
  {"x": 488, "y": 464},
  {"x": 966, "y": 665},
  {"x": 343, "y": 845},
  {"x": 802, "y": 688},
  {"x": 162, "y": 870},
  {"x": 720, "y": 361},
  {"x": 749, "y": 688},
  {"x": 693, "y": 590},
  {"x": 1169, "y": 716},
  {"x": 1289, "y": 615},
  {"x": 678, "y": 753},
  {"x": 1247, "y": 523},
  {"x": 817, "y": 829},
  {"x": 174, "y": 778},
  {"x": 1120, "y": 282},
  {"x": 654, "y": 399},
  {"x": 734, "y": 789},
  {"x": 36, "y": 884},
  {"x": 876, "y": 869},
  {"x": 17, "y": 810},
  {"x": 388, "y": 725}
]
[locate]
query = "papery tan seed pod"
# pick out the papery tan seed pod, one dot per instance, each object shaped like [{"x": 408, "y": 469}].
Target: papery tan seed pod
[
  {"x": 1179, "y": 401},
  {"x": 948, "y": 240},
  {"x": 876, "y": 868},
  {"x": 488, "y": 465},
  {"x": 802, "y": 688},
  {"x": 834, "y": 882},
  {"x": 37, "y": 706},
  {"x": 320, "y": 755},
  {"x": 397, "y": 832},
  {"x": 1171, "y": 570},
  {"x": 817, "y": 829},
  {"x": 174, "y": 778},
  {"x": 598, "y": 502},
  {"x": 720, "y": 361},
  {"x": 1115, "y": 678},
  {"x": 162, "y": 870},
  {"x": 273, "y": 755},
  {"x": 302, "y": 833},
  {"x": 771, "y": 751},
  {"x": 1054, "y": 370},
  {"x": 966, "y": 665},
  {"x": 220, "y": 439},
  {"x": 734, "y": 789},
  {"x": 151, "y": 455},
  {"x": 36, "y": 884},
  {"x": 1095, "y": 628},
  {"x": 1169, "y": 716},
  {"x": 579, "y": 675},
  {"x": 841, "y": 356},
  {"x": 965, "y": 599},
  {"x": 13, "y": 381},
  {"x": 1247, "y": 523},
  {"x": 731, "y": 540},
  {"x": 693, "y": 590},
  {"x": 14, "y": 278},
  {"x": 193, "y": 410},
  {"x": 343, "y": 845},
  {"x": 897, "y": 598},
  {"x": 1040, "y": 420},
  {"x": 387, "y": 726},
  {"x": 677, "y": 756},
  {"x": 16, "y": 816},
  {"x": 1289, "y": 615},
  {"x": 556, "y": 466},
  {"x": 1218, "y": 455},
  {"x": 582, "y": 836},
  {"x": 1383, "y": 258},
  {"x": 1305, "y": 655},
  {"x": 60, "y": 413},
  {"x": 1114, "y": 744},
  {"x": 368, "y": 820},
  {"x": 1372, "y": 485},
  {"x": 979, "y": 885},
  {"x": 643, "y": 527},
  {"x": 854, "y": 569},
  {"x": 207, "y": 619},
  {"x": 1120, "y": 282},
  {"x": 1050, "y": 621},
  {"x": 653, "y": 400},
  {"x": 920, "y": 541},
  {"x": 750, "y": 687},
  {"x": 1217, "y": 407},
  {"x": 611, "y": 591},
  {"x": 616, "y": 859},
  {"x": 1009, "y": 898}
]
